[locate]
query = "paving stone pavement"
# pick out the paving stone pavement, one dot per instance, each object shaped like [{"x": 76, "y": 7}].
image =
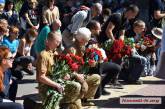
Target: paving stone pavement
[{"x": 152, "y": 86}]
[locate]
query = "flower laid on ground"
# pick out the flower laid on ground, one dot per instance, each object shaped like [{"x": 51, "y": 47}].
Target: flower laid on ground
[{"x": 64, "y": 65}]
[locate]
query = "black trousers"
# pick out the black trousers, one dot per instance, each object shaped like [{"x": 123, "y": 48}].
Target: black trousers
[
  {"x": 10, "y": 106},
  {"x": 109, "y": 72},
  {"x": 13, "y": 90}
]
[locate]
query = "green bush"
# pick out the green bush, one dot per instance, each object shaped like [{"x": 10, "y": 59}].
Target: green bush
[{"x": 18, "y": 4}]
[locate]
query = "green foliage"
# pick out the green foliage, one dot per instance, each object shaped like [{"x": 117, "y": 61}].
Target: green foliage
[
  {"x": 129, "y": 41},
  {"x": 52, "y": 100},
  {"x": 59, "y": 70},
  {"x": 107, "y": 45},
  {"x": 18, "y": 4}
]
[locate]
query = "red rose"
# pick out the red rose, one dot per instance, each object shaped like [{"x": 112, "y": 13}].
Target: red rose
[
  {"x": 74, "y": 67},
  {"x": 106, "y": 60},
  {"x": 91, "y": 62},
  {"x": 82, "y": 62}
]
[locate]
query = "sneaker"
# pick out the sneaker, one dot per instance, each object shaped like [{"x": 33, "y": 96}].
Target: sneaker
[
  {"x": 104, "y": 92},
  {"x": 30, "y": 72},
  {"x": 116, "y": 86},
  {"x": 150, "y": 74},
  {"x": 88, "y": 103},
  {"x": 85, "y": 102},
  {"x": 143, "y": 74}
]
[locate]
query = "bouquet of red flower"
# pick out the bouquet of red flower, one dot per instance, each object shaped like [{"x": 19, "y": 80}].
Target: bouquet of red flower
[
  {"x": 118, "y": 50},
  {"x": 145, "y": 45},
  {"x": 64, "y": 65},
  {"x": 92, "y": 57},
  {"x": 68, "y": 63}
]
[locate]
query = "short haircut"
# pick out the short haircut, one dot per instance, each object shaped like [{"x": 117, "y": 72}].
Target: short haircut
[
  {"x": 3, "y": 29},
  {"x": 14, "y": 29},
  {"x": 31, "y": 32},
  {"x": 83, "y": 33},
  {"x": 4, "y": 22},
  {"x": 138, "y": 23},
  {"x": 98, "y": 7},
  {"x": 132, "y": 8},
  {"x": 107, "y": 11},
  {"x": 92, "y": 24},
  {"x": 53, "y": 35}
]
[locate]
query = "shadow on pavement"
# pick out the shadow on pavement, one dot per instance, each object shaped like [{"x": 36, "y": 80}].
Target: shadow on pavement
[
  {"x": 33, "y": 96},
  {"x": 26, "y": 81},
  {"x": 162, "y": 82}
]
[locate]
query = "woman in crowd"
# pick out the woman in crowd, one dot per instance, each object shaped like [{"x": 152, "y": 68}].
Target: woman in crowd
[
  {"x": 23, "y": 59},
  {"x": 3, "y": 29},
  {"x": 11, "y": 41},
  {"x": 10, "y": 14},
  {"x": 50, "y": 13},
  {"x": 6, "y": 60},
  {"x": 26, "y": 43},
  {"x": 32, "y": 15}
]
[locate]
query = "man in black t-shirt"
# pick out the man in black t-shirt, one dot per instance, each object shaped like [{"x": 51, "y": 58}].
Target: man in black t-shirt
[
  {"x": 115, "y": 26},
  {"x": 157, "y": 12}
]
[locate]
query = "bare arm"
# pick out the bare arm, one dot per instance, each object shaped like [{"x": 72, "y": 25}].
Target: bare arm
[
  {"x": 28, "y": 20},
  {"x": 109, "y": 30},
  {"x": 41, "y": 74},
  {"x": 58, "y": 14},
  {"x": 122, "y": 33},
  {"x": 44, "y": 18},
  {"x": 158, "y": 15},
  {"x": 21, "y": 47},
  {"x": 45, "y": 80}
]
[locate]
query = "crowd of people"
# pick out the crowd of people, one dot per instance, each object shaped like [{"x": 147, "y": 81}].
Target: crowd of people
[{"x": 30, "y": 38}]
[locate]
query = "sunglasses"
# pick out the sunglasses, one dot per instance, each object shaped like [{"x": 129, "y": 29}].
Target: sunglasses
[{"x": 10, "y": 58}]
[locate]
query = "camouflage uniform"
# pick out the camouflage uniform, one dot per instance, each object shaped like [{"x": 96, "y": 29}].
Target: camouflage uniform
[
  {"x": 86, "y": 89},
  {"x": 44, "y": 64},
  {"x": 74, "y": 91}
]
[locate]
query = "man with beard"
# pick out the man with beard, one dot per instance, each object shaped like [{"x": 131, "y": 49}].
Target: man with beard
[{"x": 109, "y": 70}]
